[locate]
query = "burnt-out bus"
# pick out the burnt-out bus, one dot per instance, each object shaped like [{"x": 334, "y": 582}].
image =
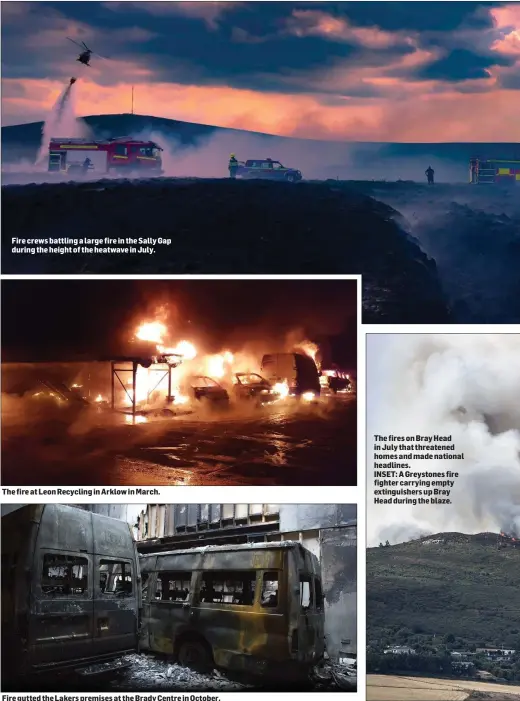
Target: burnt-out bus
[
  {"x": 255, "y": 608},
  {"x": 70, "y": 591}
]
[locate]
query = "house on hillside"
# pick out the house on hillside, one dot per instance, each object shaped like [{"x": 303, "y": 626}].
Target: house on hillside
[
  {"x": 399, "y": 650},
  {"x": 494, "y": 653},
  {"x": 461, "y": 655}
]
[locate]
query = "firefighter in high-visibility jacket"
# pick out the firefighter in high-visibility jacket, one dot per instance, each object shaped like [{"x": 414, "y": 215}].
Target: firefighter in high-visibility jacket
[{"x": 233, "y": 166}]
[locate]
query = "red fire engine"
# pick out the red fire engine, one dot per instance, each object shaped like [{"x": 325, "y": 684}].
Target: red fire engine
[
  {"x": 482, "y": 172},
  {"x": 122, "y": 155}
]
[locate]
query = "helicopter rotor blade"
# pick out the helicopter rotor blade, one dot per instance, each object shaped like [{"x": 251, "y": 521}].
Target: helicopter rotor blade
[{"x": 75, "y": 42}]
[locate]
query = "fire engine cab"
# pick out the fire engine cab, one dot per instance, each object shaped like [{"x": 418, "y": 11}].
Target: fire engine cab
[
  {"x": 482, "y": 172},
  {"x": 122, "y": 155}
]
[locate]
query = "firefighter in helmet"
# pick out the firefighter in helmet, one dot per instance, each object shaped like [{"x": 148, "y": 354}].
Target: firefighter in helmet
[
  {"x": 233, "y": 166},
  {"x": 429, "y": 172}
]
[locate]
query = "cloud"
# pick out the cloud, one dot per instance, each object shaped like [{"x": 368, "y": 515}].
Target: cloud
[
  {"x": 209, "y": 12},
  {"x": 303, "y": 23},
  {"x": 330, "y": 70}
]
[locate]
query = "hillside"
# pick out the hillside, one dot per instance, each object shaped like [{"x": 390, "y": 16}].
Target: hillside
[
  {"x": 448, "y": 585},
  {"x": 319, "y": 159},
  {"x": 243, "y": 226}
]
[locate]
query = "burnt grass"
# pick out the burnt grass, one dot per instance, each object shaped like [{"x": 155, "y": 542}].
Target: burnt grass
[{"x": 231, "y": 227}]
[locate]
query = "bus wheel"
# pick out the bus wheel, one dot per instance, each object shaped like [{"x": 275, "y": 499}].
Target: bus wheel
[{"x": 195, "y": 654}]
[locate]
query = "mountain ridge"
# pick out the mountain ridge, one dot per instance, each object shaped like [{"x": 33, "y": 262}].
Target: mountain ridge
[
  {"x": 367, "y": 158},
  {"x": 463, "y": 585}
]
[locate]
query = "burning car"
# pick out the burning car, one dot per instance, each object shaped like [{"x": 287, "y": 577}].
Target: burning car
[
  {"x": 250, "y": 386},
  {"x": 335, "y": 381},
  {"x": 268, "y": 169},
  {"x": 206, "y": 389}
]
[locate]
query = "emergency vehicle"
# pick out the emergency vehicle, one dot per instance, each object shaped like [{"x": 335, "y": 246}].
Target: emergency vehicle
[
  {"x": 267, "y": 169},
  {"x": 122, "y": 155},
  {"x": 482, "y": 172}
]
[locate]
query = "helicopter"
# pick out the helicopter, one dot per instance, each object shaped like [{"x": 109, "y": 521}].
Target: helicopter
[{"x": 85, "y": 54}]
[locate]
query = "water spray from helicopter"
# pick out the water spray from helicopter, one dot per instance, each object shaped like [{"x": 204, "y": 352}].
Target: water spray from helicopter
[{"x": 63, "y": 120}]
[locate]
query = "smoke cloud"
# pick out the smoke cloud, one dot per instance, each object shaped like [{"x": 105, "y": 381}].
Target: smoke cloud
[{"x": 466, "y": 386}]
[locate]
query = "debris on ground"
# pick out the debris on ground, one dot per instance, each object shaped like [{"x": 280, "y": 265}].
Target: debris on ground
[
  {"x": 329, "y": 675},
  {"x": 147, "y": 673}
]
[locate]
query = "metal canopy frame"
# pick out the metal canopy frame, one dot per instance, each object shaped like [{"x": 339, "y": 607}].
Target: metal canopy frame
[{"x": 130, "y": 364}]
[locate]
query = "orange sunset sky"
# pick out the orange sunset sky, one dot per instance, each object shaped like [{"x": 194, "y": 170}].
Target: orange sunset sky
[{"x": 372, "y": 71}]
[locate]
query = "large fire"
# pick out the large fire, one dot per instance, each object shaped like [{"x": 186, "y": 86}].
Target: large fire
[
  {"x": 172, "y": 375},
  {"x": 156, "y": 332}
]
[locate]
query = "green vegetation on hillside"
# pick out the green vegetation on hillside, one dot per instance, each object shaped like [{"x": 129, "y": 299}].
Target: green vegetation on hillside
[{"x": 443, "y": 593}]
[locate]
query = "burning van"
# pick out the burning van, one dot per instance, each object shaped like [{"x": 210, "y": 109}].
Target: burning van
[
  {"x": 123, "y": 156},
  {"x": 292, "y": 374}
]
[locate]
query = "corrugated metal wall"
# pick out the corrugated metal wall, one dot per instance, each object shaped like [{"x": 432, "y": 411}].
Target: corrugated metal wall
[{"x": 166, "y": 520}]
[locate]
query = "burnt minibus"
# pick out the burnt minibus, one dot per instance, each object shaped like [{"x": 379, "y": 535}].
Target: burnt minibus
[
  {"x": 297, "y": 370},
  {"x": 70, "y": 590},
  {"x": 255, "y": 608}
]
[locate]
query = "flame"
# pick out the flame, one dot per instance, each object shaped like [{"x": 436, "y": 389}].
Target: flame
[
  {"x": 308, "y": 396},
  {"x": 309, "y": 348},
  {"x": 184, "y": 348},
  {"x": 218, "y": 365},
  {"x": 99, "y": 398},
  {"x": 281, "y": 388},
  {"x": 138, "y": 419},
  {"x": 152, "y": 331},
  {"x": 181, "y": 399}
]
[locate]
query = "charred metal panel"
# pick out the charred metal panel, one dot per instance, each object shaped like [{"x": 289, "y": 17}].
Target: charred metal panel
[
  {"x": 111, "y": 536},
  {"x": 193, "y": 515},
  {"x": 228, "y": 511},
  {"x": 65, "y": 528},
  {"x": 339, "y": 579},
  {"x": 181, "y": 515},
  {"x": 169, "y": 525},
  {"x": 111, "y": 510},
  {"x": 227, "y": 559},
  {"x": 304, "y": 517},
  {"x": 241, "y": 511}
]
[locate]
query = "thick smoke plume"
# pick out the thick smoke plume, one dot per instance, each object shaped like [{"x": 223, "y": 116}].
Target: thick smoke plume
[{"x": 466, "y": 386}]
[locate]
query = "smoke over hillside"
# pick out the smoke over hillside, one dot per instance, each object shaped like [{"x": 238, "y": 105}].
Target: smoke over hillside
[{"x": 466, "y": 386}]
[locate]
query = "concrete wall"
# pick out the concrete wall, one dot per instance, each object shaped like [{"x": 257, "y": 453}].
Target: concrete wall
[{"x": 339, "y": 576}]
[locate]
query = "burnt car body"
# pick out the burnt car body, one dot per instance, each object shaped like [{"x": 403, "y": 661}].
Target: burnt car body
[
  {"x": 70, "y": 591},
  {"x": 299, "y": 371},
  {"x": 267, "y": 169},
  {"x": 203, "y": 388},
  {"x": 255, "y": 608},
  {"x": 335, "y": 382},
  {"x": 251, "y": 386}
]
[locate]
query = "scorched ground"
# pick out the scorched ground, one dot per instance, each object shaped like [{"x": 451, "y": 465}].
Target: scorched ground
[{"x": 282, "y": 444}]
